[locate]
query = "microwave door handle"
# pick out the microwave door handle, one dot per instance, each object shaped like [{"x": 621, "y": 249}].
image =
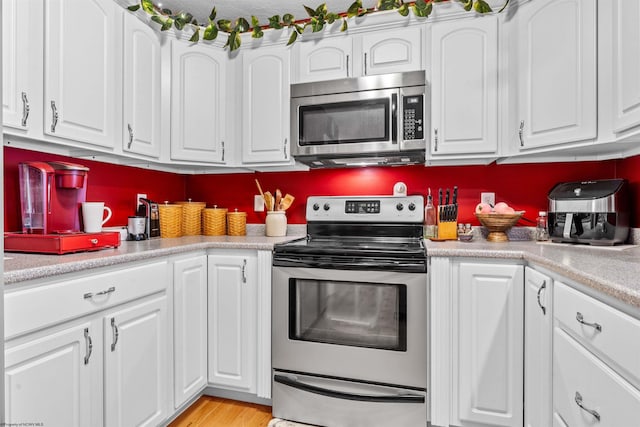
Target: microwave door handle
[
  {"x": 390, "y": 398},
  {"x": 394, "y": 118}
]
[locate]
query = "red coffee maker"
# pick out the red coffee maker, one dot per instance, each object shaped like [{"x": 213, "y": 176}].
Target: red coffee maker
[{"x": 51, "y": 194}]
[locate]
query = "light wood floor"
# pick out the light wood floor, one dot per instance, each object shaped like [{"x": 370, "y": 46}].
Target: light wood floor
[{"x": 217, "y": 412}]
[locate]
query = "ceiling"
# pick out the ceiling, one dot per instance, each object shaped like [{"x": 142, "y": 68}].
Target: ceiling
[{"x": 262, "y": 9}]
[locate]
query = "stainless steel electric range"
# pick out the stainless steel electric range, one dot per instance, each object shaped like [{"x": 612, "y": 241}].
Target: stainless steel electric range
[{"x": 350, "y": 312}]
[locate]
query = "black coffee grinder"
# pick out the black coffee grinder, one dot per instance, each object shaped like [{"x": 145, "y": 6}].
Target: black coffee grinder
[{"x": 149, "y": 210}]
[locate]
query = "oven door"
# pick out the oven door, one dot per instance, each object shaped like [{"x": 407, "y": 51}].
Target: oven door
[
  {"x": 362, "y": 325},
  {"x": 345, "y": 123}
]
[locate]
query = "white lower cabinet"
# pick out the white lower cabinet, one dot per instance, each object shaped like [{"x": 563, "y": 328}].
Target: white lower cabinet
[
  {"x": 476, "y": 342},
  {"x": 94, "y": 352},
  {"x": 54, "y": 378},
  {"x": 189, "y": 327},
  {"x": 232, "y": 325},
  {"x": 136, "y": 370},
  {"x": 487, "y": 324},
  {"x": 596, "y": 370},
  {"x": 538, "y": 315}
]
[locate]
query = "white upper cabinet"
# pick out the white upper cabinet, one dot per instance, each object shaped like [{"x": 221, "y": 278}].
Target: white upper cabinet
[
  {"x": 464, "y": 78},
  {"x": 22, "y": 65},
  {"x": 375, "y": 52},
  {"x": 265, "y": 106},
  {"x": 198, "y": 98},
  {"x": 142, "y": 88},
  {"x": 82, "y": 68},
  {"x": 323, "y": 59},
  {"x": 556, "y": 72},
  {"x": 626, "y": 64}
]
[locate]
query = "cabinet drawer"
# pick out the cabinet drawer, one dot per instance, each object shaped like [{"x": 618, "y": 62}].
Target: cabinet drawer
[
  {"x": 613, "y": 335},
  {"x": 578, "y": 374},
  {"x": 45, "y": 305}
]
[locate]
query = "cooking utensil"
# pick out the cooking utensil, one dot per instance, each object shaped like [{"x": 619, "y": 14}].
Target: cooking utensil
[
  {"x": 286, "y": 201},
  {"x": 276, "y": 206},
  {"x": 455, "y": 195}
]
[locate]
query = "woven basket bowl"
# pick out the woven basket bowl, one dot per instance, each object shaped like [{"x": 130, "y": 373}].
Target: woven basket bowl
[{"x": 498, "y": 224}]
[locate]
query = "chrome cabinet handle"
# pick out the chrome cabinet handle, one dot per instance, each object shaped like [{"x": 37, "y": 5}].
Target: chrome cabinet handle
[
  {"x": 116, "y": 333},
  {"x": 284, "y": 149},
  {"x": 595, "y": 414},
  {"x": 130, "y": 135},
  {"x": 365, "y": 63},
  {"x": 25, "y": 109},
  {"x": 580, "y": 319},
  {"x": 244, "y": 271},
  {"x": 54, "y": 118},
  {"x": 222, "y": 143},
  {"x": 347, "y": 65},
  {"x": 435, "y": 139},
  {"x": 105, "y": 292},
  {"x": 89, "y": 346},
  {"x": 521, "y": 133},
  {"x": 543, "y": 286}
]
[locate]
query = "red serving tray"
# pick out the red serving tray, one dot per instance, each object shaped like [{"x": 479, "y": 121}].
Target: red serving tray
[{"x": 60, "y": 243}]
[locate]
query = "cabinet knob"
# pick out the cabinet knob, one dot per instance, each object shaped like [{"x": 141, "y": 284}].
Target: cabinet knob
[
  {"x": 130, "y": 135},
  {"x": 89, "y": 345},
  {"x": 578, "y": 399},
  {"x": 54, "y": 116},
  {"x": 521, "y": 133},
  {"x": 25, "y": 109}
]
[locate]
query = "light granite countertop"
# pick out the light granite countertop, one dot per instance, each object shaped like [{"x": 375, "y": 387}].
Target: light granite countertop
[{"x": 613, "y": 272}]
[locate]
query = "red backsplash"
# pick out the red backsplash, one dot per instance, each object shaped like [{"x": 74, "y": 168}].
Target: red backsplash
[{"x": 523, "y": 186}]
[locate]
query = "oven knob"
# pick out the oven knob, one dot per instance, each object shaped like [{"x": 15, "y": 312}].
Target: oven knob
[
  {"x": 326, "y": 206},
  {"x": 399, "y": 206},
  {"x": 412, "y": 207},
  {"x": 316, "y": 206}
]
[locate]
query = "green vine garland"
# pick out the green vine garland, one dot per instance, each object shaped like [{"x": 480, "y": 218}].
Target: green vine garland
[{"x": 317, "y": 19}]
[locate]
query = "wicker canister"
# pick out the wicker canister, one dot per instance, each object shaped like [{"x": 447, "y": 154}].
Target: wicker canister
[
  {"x": 214, "y": 221},
  {"x": 191, "y": 217},
  {"x": 170, "y": 220},
  {"x": 237, "y": 223}
]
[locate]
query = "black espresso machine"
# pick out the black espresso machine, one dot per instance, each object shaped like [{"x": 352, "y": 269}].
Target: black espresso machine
[{"x": 591, "y": 212}]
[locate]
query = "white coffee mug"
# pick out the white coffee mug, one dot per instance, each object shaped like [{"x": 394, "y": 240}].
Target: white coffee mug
[{"x": 93, "y": 216}]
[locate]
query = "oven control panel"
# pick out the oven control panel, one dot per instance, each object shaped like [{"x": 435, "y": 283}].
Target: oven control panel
[{"x": 407, "y": 209}]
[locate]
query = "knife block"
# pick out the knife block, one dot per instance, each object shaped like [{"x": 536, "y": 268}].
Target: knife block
[{"x": 447, "y": 230}]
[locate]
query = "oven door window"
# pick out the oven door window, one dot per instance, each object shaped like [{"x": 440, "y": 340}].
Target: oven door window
[
  {"x": 345, "y": 122},
  {"x": 372, "y": 315}
]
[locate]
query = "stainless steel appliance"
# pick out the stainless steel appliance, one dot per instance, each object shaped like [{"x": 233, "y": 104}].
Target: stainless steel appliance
[
  {"x": 150, "y": 211},
  {"x": 593, "y": 212},
  {"x": 350, "y": 315},
  {"x": 372, "y": 120}
]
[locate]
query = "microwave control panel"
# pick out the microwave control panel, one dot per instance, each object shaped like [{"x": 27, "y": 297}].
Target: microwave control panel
[{"x": 413, "y": 117}]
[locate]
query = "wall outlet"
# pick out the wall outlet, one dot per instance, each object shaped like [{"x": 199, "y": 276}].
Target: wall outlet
[
  {"x": 258, "y": 203},
  {"x": 489, "y": 198},
  {"x": 138, "y": 197}
]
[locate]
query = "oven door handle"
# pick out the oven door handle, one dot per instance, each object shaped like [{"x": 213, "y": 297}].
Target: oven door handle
[{"x": 394, "y": 398}]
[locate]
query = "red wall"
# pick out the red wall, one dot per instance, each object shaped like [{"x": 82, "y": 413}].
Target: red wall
[{"x": 523, "y": 186}]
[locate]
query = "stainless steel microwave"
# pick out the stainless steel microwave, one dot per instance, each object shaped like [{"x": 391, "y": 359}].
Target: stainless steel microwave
[{"x": 372, "y": 120}]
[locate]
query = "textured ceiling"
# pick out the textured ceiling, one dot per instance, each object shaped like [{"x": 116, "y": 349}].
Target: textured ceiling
[{"x": 262, "y": 9}]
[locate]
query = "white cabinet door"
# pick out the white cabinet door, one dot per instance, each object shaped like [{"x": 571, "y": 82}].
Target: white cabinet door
[
  {"x": 265, "y": 106},
  {"x": 190, "y": 327},
  {"x": 142, "y": 88},
  {"x": 136, "y": 373},
  {"x": 232, "y": 321},
  {"x": 21, "y": 64},
  {"x": 198, "y": 100},
  {"x": 538, "y": 324},
  {"x": 487, "y": 374},
  {"x": 464, "y": 63},
  {"x": 392, "y": 51},
  {"x": 626, "y": 64},
  {"x": 325, "y": 59},
  {"x": 82, "y": 65},
  {"x": 55, "y": 379},
  {"x": 556, "y": 72}
]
